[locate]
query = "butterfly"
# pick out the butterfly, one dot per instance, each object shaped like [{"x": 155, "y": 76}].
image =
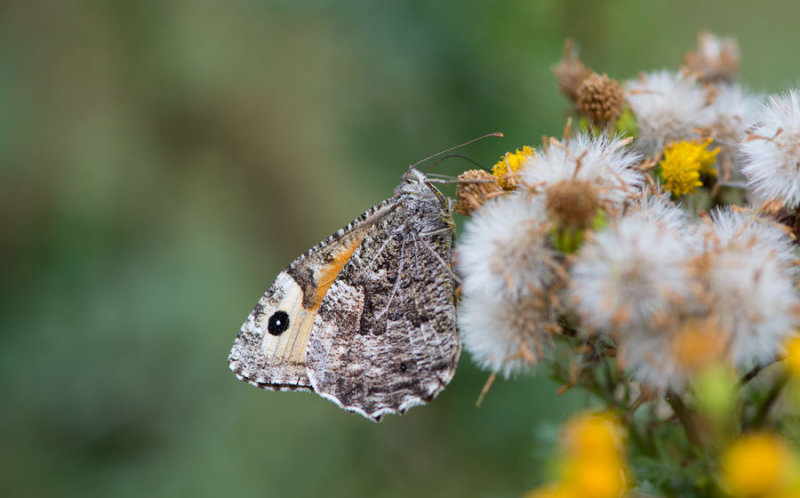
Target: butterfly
[{"x": 367, "y": 317}]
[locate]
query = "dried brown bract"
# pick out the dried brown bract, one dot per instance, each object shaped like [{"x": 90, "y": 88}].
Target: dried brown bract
[
  {"x": 570, "y": 72},
  {"x": 716, "y": 59},
  {"x": 474, "y": 188}
]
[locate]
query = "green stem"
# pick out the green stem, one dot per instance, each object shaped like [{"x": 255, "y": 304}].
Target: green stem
[
  {"x": 685, "y": 418},
  {"x": 772, "y": 396},
  {"x": 753, "y": 373}
]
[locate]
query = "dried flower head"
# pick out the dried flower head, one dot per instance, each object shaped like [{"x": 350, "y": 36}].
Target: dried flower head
[
  {"x": 506, "y": 169},
  {"x": 716, "y": 59},
  {"x": 683, "y": 164},
  {"x": 668, "y": 106},
  {"x": 604, "y": 163},
  {"x": 510, "y": 276},
  {"x": 572, "y": 202},
  {"x": 600, "y": 98},
  {"x": 772, "y": 151},
  {"x": 474, "y": 188},
  {"x": 570, "y": 72}
]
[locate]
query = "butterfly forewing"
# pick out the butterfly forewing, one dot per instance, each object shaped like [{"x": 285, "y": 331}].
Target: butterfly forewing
[{"x": 270, "y": 350}]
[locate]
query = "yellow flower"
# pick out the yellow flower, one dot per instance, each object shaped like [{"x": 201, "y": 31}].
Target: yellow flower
[
  {"x": 683, "y": 164},
  {"x": 555, "y": 491},
  {"x": 793, "y": 355},
  {"x": 593, "y": 463},
  {"x": 596, "y": 435},
  {"x": 509, "y": 164},
  {"x": 594, "y": 466},
  {"x": 595, "y": 477},
  {"x": 757, "y": 464}
]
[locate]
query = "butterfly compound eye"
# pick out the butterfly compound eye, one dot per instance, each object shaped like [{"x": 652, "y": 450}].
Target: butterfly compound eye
[{"x": 278, "y": 323}]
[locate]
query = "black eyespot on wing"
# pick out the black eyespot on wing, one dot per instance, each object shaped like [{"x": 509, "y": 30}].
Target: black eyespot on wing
[
  {"x": 278, "y": 323},
  {"x": 403, "y": 367}
]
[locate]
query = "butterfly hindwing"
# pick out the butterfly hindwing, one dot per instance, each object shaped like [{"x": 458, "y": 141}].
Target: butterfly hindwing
[{"x": 385, "y": 336}]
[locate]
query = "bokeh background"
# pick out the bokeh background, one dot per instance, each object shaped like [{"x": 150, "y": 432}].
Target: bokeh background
[{"x": 161, "y": 161}]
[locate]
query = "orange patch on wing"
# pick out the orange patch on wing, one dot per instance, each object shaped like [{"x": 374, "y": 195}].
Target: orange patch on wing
[{"x": 329, "y": 273}]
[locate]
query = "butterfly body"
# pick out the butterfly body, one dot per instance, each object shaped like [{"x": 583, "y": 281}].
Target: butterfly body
[{"x": 365, "y": 318}]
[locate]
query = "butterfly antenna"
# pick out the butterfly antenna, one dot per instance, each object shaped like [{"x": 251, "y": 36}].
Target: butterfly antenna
[
  {"x": 459, "y": 156},
  {"x": 451, "y": 149}
]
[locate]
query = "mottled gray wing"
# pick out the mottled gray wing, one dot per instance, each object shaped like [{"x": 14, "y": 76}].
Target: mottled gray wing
[
  {"x": 270, "y": 350},
  {"x": 385, "y": 336}
]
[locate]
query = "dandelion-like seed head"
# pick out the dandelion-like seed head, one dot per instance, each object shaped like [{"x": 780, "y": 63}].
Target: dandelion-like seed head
[
  {"x": 474, "y": 188},
  {"x": 667, "y": 355},
  {"x": 656, "y": 206},
  {"x": 510, "y": 282},
  {"x": 684, "y": 163},
  {"x": 771, "y": 152},
  {"x": 743, "y": 230},
  {"x": 628, "y": 277},
  {"x": 504, "y": 247},
  {"x": 507, "y": 335},
  {"x": 600, "y": 98},
  {"x": 715, "y": 60},
  {"x": 745, "y": 270},
  {"x": 732, "y": 111},
  {"x": 669, "y": 107},
  {"x": 754, "y": 297},
  {"x": 603, "y": 163}
]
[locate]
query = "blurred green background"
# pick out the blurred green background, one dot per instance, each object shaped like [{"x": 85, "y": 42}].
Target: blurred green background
[{"x": 161, "y": 161}]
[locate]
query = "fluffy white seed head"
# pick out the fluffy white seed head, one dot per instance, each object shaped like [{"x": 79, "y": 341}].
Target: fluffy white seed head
[
  {"x": 509, "y": 277},
  {"x": 668, "y": 356},
  {"x": 506, "y": 335},
  {"x": 627, "y": 278},
  {"x": 668, "y": 106},
  {"x": 606, "y": 164},
  {"x": 754, "y": 300},
  {"x": 743, "y": 230},
  {"x": 748, "y": 274},
  {"x": 504, "y": 245},
  {"x": 656, "y": 206},
  {"x": 772, "y": 151},
  {"x": 733, "y": 111}
]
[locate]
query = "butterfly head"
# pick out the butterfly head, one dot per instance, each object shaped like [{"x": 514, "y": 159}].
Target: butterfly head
[{"x": 414, "y": 176}]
